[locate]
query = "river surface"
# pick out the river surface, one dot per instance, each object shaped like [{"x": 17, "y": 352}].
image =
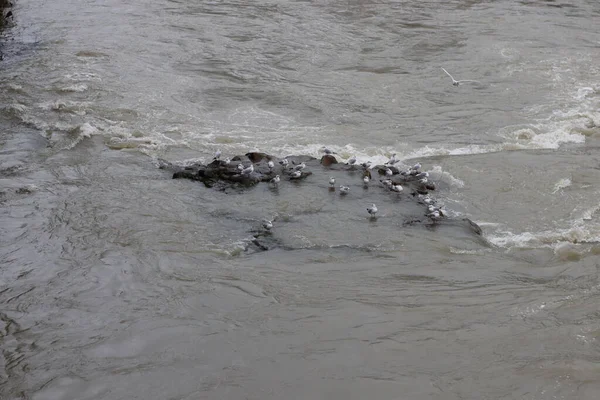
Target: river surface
[{"x": 117, "y": 282}]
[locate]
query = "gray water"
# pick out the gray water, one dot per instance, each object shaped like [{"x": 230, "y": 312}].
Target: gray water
[{"x": 117, "y": 282}]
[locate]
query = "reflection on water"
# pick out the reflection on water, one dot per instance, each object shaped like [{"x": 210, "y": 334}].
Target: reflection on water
[{"x": 119, "y": 282}]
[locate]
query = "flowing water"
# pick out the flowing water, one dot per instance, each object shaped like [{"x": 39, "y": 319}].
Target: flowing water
[{"x": 117, "y": 282}]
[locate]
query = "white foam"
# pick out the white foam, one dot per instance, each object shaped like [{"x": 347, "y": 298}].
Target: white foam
[
  {"x": 548, "y": 239},
  {"x": 589, "y": 213},
  {"x": 438, "y": 173},
  {"x": 562, "y": 184},
  {"x": 76, "y": 88}
]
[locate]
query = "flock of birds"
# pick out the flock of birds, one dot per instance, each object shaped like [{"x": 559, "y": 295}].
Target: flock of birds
[{"x": 434, "y": 212}]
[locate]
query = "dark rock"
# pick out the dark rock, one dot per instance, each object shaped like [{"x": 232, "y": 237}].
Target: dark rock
[
  {"x": 227, "y": 176},
  {"x": 328, "y": 160},
  {"x": 256, "y": 157}
]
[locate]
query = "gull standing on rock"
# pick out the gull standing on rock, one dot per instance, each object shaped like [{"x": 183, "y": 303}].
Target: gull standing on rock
[
  {"x": 393, "y": 160},
  {"x": 372, "y": 210},
  {"x": 249, "y": 170},
  {"x": 388, "y": 172},
  {"x": 271, "y": 165},
  {"x": 352, "y": 160},
  {"x": 217, "y": 154},
  {"x": 284, "y": 162},
  {"x": 295, "y": 175},
  {"x": 366, "y": 180},
  {"x": 268, "y": 225},
  {"x": 275, "y": 180},
  {"x": 300, "y": 167},
  {"x": 240, "y": 167},
  {"x": 332, "y": 181},
  {"x": 396, "y": 188},
  {"x": 344, "y": 190},
  {"x": 328, "y": 151}
]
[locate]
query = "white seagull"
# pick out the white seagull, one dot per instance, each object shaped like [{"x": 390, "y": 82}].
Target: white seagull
[
  {"x": 455, "y": 82},
  {"x": 396, "y": 188},
  {"x": 284, "y": 162},
  {"x": 300, "y": 167},
  {"x": 217, "y": 154},
  {"x": 388, "y": 172},
  {"x": 372, "y": 210},
  {"x": 240, "y": 167},
  {"x": 268, "y": 225},
  {"x": 271, "y": 165},
  {"x": 366, "y": 179},
  {"x": 332, "y": 181},
  {"x": 344, "y": 189},
  {"x": 295, "y": 175},
  {"x": 393, "y": 160},
  {"x": 352, "y": 160},
  {"x": 249, "y": 170},
  {"x": 275, "y": 180}
]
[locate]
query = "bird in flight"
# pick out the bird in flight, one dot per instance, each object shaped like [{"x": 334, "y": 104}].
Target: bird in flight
[{"x": 455, "y": 82}]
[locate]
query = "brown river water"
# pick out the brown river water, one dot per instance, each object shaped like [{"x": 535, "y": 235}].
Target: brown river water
[{"x": 117, "y": 282}]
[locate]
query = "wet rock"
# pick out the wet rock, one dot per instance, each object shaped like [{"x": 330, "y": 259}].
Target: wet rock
[
  {"x": 253, "y": 168},
  {"x": 328, "y": 160},
  {"x": 382, "y": 168}
]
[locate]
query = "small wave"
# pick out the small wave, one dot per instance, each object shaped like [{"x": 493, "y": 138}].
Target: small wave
[
  {"x": 562, "y": 184},
  {"x": 76, "y": 88},
  {"x": 439, "y": 174},
  {"x": 548, "y": 239},
  {"x": 589, "y": 213}
]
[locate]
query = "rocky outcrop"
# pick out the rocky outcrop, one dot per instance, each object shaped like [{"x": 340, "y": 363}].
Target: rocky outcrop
[
  {"x": 5, "y": 12},
  {"x": 414, "y": 187}
]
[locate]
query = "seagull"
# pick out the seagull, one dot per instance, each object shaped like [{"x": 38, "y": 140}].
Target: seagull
[
  {"x": 240, "y": 167},
  {"x": 226, "y": 161},
  {"x": 275, "y": 180},
  {"x": 387, "y": 183},
  {"x": 249, "y": 170},
  {"x": 366, "y": 179},
  {"x": 434, "y": 216},
  {"x": 344, "y": 190},
  {"x": 284, "y": 162},
  {"x": 423, "y": 181},
  {"x": 268, "y": 225},
  {"x": 332, "y": 181},
  {"x": 455, "y": 82},
  {"x": 426, "y": 199},
  {"x": 416, "y": 167},
  {"x": 422, "y": 175},
  {"x": 328, "y": 151},
  {"x": 372, "y": 210},
  {"x": 271, "y": 165},
  {"x": 388, "y": 172},
  {"x": 366, "y": 165},
  {"x": 217, "y": 154},
  {"x": 300, "y": 167},
  {"x": 393, "y": 160},
  {"x": 396, "y": 188},
  {"x": 352, "y": 160},
  {"x": 295, "y": 175}
]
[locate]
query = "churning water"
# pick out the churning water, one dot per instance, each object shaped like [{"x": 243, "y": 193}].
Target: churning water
[{"x": 117, "y": 282}]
